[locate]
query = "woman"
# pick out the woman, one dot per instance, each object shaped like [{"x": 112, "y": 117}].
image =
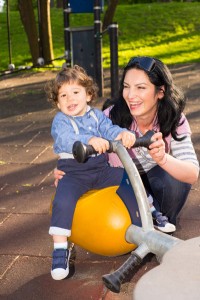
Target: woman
[{"x": 149, "y": 100}]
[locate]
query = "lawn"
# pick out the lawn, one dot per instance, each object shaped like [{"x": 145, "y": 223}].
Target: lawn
[{"x": 169, "y": 31}]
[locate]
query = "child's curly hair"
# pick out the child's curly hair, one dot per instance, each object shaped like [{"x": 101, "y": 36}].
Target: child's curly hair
[{"x": 75, "y": 74}]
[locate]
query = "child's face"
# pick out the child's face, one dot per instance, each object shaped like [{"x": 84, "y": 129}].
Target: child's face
[{"x": 72, "y": 99}]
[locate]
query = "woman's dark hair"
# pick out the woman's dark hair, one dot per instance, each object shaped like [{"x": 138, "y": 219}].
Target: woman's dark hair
[{"x": 169, "y": 107}]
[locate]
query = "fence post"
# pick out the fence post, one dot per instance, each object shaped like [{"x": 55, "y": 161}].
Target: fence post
[
  {"x": 66, "y": 12},
  {"x": 114, "y": 69},
  {"x": 98, "y": 46},
  {"x": 8, "y": 31}
]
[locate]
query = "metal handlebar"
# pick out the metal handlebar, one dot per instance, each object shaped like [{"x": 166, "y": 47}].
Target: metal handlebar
[{"x": 82, "y": 151}]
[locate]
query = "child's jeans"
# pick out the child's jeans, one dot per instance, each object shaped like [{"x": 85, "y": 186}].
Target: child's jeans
[{"x": 79, "y": 178}]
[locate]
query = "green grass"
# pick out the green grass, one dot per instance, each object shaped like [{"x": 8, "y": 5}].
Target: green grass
[{"x": 169, "y": 31}]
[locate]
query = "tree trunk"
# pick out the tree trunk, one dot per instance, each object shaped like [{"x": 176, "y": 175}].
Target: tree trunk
[
  {"x": 109, "y": 14},
  {"x": 45, "y": 31},
  {"x": 29, "y": 23},
  {"x": 59, "y": 3}
]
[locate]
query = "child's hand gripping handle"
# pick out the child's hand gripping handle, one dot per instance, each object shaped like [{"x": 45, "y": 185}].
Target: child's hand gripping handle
[{"x": 82, "y": 151}]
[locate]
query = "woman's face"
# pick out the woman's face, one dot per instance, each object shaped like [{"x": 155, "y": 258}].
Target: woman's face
[{"x": 140, "y": 94}]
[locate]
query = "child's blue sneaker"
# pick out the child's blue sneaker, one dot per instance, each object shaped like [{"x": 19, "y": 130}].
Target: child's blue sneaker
[
  {"x": 60, "y": 264},
  {"x": 161, "y": 222}
]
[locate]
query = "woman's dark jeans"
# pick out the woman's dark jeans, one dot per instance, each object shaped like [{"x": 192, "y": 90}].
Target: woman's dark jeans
[{"x": 168, "y": 193}]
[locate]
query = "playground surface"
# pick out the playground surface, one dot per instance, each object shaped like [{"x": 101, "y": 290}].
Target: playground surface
[{"x": 26, "y": 188}]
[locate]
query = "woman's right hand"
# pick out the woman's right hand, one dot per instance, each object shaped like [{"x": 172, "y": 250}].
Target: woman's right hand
[
  {"x": 157, "y": 149},
  {"x": 58, "y": 174}
]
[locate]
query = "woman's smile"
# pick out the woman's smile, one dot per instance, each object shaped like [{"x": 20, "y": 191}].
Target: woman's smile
[{"x": 134, "y": 105}]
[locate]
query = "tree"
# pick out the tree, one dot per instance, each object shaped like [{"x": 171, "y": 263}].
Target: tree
[
  {"x": 45, "y": 34},
  {"x": 109, "y": 14},
  {"x": 40, "y": 39},
  {"x": 59, "y": 3},
  {"x": 29, "y": 23}
]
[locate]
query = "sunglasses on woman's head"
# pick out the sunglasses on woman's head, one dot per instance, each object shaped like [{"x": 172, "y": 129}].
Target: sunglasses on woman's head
[{"x": 146, "y": 63}]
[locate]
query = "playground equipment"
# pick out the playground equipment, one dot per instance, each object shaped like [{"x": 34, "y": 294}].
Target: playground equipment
[
  {"x": 168, "y": 249},
  {"x": 11, "y": 66},
  {"x": 110, "y": 222},
  {"x": 83, "y": 45},
  {"x": 108, "y": 238}
]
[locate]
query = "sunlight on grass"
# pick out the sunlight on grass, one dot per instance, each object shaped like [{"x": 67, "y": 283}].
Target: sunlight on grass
[
  {"x": 169, "y": 31},
  {"x": 185, "y": 50}
]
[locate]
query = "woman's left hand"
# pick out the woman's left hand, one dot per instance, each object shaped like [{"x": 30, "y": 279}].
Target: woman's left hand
[
  {"x": 157, "y": 149},
  {"x": 58, "y": 174}
]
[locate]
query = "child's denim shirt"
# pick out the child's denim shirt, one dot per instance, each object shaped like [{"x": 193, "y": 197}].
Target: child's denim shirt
[{"x": 66, "y": 130}]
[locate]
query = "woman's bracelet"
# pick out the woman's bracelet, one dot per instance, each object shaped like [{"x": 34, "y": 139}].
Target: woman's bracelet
[{"x": 165, "y": 157}]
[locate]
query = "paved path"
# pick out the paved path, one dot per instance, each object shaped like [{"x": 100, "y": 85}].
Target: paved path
[{"x": 26, "y": 164}]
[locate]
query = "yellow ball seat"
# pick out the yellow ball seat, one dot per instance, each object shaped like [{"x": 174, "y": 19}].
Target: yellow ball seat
[{"x": 100, "y": 223}]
